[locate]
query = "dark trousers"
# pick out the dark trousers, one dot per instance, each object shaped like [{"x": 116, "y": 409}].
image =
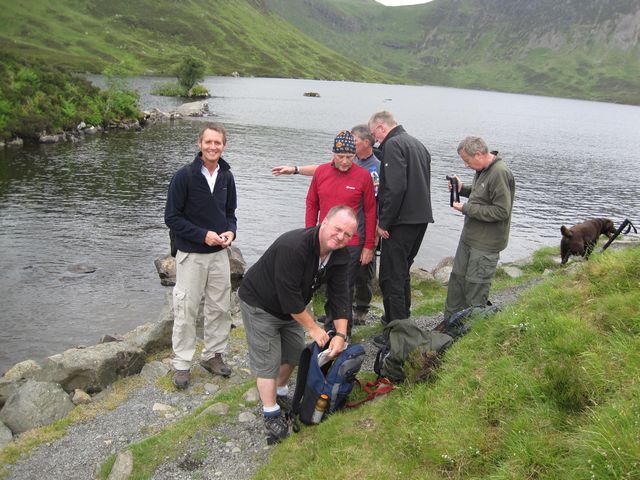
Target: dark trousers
[
  {"x": 396, "y": 258},
  {"x": 354, "y": 266},
  {"x": 364, "y": 286}
]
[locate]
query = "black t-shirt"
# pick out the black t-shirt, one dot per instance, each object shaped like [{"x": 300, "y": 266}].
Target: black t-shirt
[{"x": 281, "y": 282}]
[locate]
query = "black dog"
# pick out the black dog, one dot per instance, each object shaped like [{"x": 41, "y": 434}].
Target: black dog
[{"x": 581, "y": 238}]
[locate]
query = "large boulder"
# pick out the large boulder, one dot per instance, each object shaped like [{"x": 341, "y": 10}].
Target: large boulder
[
  {"x": 6, "y": 437},
  {"x": 93, "y": 368},
  {"x": 35, "y": 404},
  {"x": 8, "y": 388},
  {"x": 21, "y": 370},
  {"x": 442, "y": 270},
  {"x": 166, "y": 268},
  {"x": 153, "y": 336},
  {"x": 194, "y": 109}
]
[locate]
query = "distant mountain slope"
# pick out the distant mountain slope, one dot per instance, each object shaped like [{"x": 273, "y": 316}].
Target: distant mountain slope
[
  {"x": 571, "y": 48},
  {"x": 151, "y": 36}
]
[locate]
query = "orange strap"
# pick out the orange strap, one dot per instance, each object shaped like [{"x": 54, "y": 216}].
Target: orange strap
[{"x": 373, "y": 389}]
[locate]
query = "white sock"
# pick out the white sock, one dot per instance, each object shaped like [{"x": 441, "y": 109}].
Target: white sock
[
  {"x": 271, "y": 411},
  {"x": 283, "y": 391}
]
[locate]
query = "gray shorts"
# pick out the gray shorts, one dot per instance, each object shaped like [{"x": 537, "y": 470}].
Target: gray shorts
[{"x": 272, "y": 341}]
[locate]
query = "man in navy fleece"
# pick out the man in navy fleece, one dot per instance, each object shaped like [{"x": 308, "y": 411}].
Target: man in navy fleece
[{"x": 200, "y": 210}]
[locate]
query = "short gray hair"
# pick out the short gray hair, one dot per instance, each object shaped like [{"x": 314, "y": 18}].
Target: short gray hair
[
  {"x": 363, "y": 133},
  {"x": 383, "y": 117},
  {"x": 471, "y": 145},
  {"x": 341, "y": 208}
]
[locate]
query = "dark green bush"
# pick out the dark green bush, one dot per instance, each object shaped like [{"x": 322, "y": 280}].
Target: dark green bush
[{"x": 37, "y": 99}]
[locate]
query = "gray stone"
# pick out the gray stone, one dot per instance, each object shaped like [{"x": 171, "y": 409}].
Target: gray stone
[
  {"x": 6, "y": 437},
  {"x": 442, "y": 274},
  {"x": 512, "y": 271},
  {"x": 8, "y": 388},
  {"x": 35, "y": 404},
  {"x": 154, "y": 370},
  {"x": 80, "y": 397},
  {"x": 211, "y": 388},
  {"x": 161, "y": 407},
  {"x": 90, "y": 130},
  {"x": 216, "y": 409},
  {"x": 122, "y": 467},
  {"x": 51, "y": 138},
  {"x": 420, "y": 275},
  {"x": 153, "y": 336},
  {"x": 15, "y": 142},
  {"x": 93, "y": 368},
  {"x": 251, "y": 395},
  {"x": 194, "y": 109},
  {"x": 21, "y": 370},
  {"x": 246, "y": 417},
  {"x": 107, "y": 338},
  {"x": 166, "y": 268}
]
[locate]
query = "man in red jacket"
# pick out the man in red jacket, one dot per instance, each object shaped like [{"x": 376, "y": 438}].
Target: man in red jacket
[{"x": 341, "y": 182}]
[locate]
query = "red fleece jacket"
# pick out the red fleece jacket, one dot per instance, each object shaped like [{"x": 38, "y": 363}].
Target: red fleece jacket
[{"x": 354, "y": 188}]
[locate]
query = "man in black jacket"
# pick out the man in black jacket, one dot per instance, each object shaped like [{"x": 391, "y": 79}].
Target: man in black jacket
[
  {"x": 200, "y": 211},
  {"x": 273, "y": 298},
  {"x": 404, "y": 210}
]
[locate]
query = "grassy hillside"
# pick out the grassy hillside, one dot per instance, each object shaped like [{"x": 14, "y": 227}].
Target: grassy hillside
[
  {"x": 546, "y": 389},
  {"x": 146, "y": 36},
  {"x": 577, "y": 49}
]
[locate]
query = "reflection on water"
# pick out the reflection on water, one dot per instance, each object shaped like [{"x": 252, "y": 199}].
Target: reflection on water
[{"x": 99, "y": 203}]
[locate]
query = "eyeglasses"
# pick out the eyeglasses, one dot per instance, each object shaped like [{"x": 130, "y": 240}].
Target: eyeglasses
[{"x": 318, "y": 278}]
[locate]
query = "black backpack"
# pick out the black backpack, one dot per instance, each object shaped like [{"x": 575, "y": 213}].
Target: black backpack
[{"x": 334, "y": 379}]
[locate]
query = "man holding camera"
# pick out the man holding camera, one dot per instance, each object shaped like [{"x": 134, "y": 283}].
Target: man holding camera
[{"x": 487, "y": 220}]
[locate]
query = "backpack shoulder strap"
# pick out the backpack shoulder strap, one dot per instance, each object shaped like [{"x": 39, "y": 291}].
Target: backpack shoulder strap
[{"x": 301, "y": 379}]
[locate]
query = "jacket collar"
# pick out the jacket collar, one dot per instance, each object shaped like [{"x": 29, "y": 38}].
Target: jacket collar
[
  {"x": 394, "y": 132},
  {"x": 222, "y": 163}
]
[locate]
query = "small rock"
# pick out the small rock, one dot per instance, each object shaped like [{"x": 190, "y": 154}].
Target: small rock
[
  {"x": 216, "y": 409},
  {"x": 80, "y": 397},
  {"x": 110, "y": 338},
  {"x": 512, "y": 271},
  {"x": 246, "y": 417},
  {"x": 122, "y": 467},
  {"x": 211, "y": 388},
  {"x": 251, "y": 395},
  {"x": 154, "y": 370},
  {"x": 161, "y": 407}
]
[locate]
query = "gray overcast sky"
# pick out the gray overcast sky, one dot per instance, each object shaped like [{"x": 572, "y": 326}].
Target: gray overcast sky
[{"x": 394, "y": 3}]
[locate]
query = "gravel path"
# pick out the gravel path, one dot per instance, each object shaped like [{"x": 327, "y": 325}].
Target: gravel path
[{"x": 234, "y": 449}]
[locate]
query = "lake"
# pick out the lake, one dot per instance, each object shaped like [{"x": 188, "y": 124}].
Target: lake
[{"x": 99, "y": 203}]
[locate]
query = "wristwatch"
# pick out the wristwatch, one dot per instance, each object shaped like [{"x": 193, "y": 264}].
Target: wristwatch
[
  {"x": 341, "y": 335},
  {"x": 296, "y": 170}
]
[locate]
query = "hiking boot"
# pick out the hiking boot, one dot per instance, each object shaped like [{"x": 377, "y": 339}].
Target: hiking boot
[
  {"x": 216, "y": 366},
  {"x": 277, "y": 429},
  {"x": 379, "y": 341},
  {"x": 284, "y": 403},
  {"x": 181, "y": 379},
  {"x": 359, "y": 317}
]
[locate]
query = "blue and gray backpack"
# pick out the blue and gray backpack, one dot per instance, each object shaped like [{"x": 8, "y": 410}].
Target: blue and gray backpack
[{"x": 335, "y": 379}]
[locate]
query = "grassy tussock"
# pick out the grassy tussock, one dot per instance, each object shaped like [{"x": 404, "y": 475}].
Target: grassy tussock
[{"x": 546, "y": 389}]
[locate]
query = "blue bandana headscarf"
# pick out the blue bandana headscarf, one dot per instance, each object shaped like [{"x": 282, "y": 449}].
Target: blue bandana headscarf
[{"x": 344, "y": 143}]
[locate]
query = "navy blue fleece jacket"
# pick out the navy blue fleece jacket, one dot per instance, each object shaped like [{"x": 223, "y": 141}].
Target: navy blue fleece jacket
[{"x": 192, "y": 209}]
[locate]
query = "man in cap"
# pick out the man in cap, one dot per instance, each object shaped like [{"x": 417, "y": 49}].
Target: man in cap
[{"x": 341, "y": 182}]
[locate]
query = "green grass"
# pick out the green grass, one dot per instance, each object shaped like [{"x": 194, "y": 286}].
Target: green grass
[
  {"x": 148, "y": 37},
  {"x": 545, "y": 389}
]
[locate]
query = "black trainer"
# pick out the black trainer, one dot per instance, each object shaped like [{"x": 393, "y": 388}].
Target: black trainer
[
  {"x": 379, "y": 341},
  {"x": 285, "y": 403},
  {"x": 277, "y": 429}
]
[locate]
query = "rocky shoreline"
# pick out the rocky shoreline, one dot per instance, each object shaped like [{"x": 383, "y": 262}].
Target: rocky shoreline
[
  {"x": 234, "y": 448},
  {"x": 151, "y": 117}
]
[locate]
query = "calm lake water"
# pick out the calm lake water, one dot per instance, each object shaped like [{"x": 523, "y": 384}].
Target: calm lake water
[{"x": 100, "y": 202}]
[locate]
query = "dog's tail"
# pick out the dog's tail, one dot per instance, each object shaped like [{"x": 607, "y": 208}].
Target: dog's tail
[{"x": 566, "y": 232}]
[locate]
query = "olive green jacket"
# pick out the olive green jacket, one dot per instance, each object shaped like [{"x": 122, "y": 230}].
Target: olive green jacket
[{"x": 488, "y": 212}]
